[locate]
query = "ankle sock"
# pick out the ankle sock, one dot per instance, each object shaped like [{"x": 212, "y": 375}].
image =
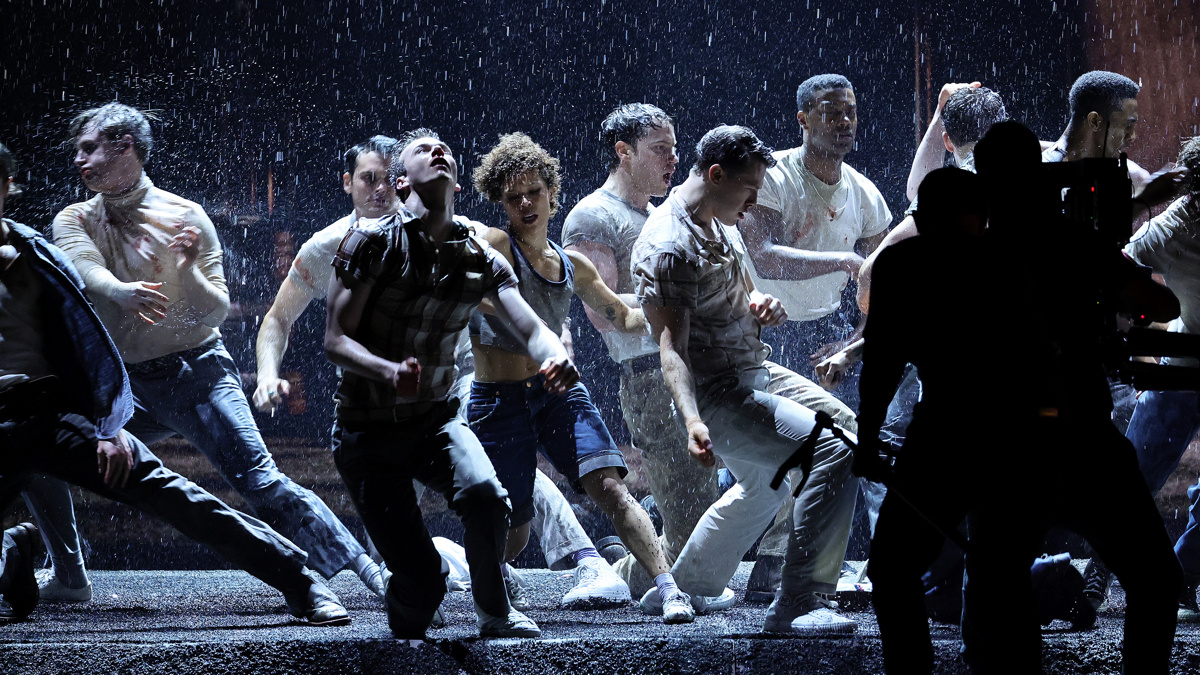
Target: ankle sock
[
  {"x": 585, "y": 553},
  {"x": 666, "y": 585}
]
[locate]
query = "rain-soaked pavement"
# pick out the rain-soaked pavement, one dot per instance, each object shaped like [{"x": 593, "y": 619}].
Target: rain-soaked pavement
[{"x": 227, "y": 622}]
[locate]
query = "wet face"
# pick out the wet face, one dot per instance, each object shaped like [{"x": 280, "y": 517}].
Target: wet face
[
  {"x": 736, "y": 192},
  {"x": 1121, "y": 126},
  {"x": 106, "y": 165},
  {"x": 653, "y": 160},
  {"x": 373, "y": 195},
  {"x": 428, "y": 160},
  {"x": 830, "y": 126},
  {"x": 526, "y": 200}
]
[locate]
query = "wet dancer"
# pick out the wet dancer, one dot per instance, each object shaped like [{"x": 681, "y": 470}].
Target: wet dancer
[
  {"x": 64, "y": 400},
  {"x": 639, "y": 142},
  {"x": 815, "y": 216},
  {"x": 374, "y": 196},
  {"x": 404, "y": 287},
  {"x": 152, "y": 264},
  {"x": 707, "y": 316},
  {"x": 512, "y": 413},
  {"x": 1164, "y": 422}
]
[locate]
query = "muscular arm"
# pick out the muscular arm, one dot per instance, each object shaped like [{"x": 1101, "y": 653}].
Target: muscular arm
[
  {"x": 605, "y": 262},
  {"x": 344, "y": 311},
  {"x": 599, "y": 298},
  {"x": 669, "y": 326},
  {"x": 289, "y": 304},
  {"x": 776, "y": 261},
  {"x": 931, "y": 155},
  {"x": 906, "y": 229}
]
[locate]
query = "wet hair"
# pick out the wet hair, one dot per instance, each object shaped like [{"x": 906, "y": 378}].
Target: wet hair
[
  {"x": 630, "y": 123},
  {"x": 1009, "y": 148},
  {"x": 8, "y": 169},
  {"x": 969, "y": 113},
  {"x": 383, "y": 146},
  {"x": 396, "y": 167},
  {"x": 1099, "y": 91},
  {"x": 806, "y": 93},
  {"x": 514, "y": 155},
  {"x": 1189, "y": 156},
  {"x": 945, "y": 196},
  {"x": 114, "y": 120},
  {"x": 735, "y": 148}
]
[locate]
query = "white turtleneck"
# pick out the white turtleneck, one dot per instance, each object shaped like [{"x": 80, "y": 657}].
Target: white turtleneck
[{"x": 121, "y": 238}]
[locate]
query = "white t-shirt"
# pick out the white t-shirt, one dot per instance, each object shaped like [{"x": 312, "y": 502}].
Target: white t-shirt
[
  {"x": 859, "y": 212},
  {"x": 1170, "y": 244}
]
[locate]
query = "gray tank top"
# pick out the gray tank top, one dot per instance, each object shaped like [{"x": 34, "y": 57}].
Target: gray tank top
[{"x": 550, "y": 300}]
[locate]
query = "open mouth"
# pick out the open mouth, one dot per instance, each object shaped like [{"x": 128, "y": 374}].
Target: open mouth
[
  {"x": 529, "y": 219},
  {"x": 441, "y": 162}
]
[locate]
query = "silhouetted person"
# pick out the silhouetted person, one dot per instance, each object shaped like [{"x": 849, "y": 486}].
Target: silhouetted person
[
  {"x": 947, "y": 465},
  {"x": 1068, "y": 279}
]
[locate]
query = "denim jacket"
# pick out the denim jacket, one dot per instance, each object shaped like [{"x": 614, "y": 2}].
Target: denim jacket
[{"x": 81, "y": 351}]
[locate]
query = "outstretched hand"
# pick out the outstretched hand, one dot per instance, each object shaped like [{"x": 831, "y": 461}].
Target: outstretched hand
[
  {"x": 1164, "y": 185},
  {"x": 186, "y": 245},
  {"x": 142, "y": 297},
  {"x": 831, "y": 371}
]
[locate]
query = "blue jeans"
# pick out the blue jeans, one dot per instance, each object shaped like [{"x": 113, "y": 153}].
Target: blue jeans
[
  {"x": 1163, "y": 424},
  {"x": 516, "y": 420},
  {"x": 197, "y": 394}
]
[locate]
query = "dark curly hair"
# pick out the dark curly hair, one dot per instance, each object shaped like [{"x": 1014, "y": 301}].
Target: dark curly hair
[
  {"x": 514, "y": 155},
  {"x": 114, "y": 120},
  {"x": 1189, "y": 156}
]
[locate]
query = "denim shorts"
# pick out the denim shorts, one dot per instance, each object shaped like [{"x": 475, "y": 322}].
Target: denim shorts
[{"x": 516, "y": 420}]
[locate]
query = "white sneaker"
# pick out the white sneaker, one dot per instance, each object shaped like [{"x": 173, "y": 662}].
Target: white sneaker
[
  {"x": 516, "y": 589},
  {"x": 677, "y": 608},
  {"x": 515, "y": 624},
  {"x": 806, "y": 615},
  {"x": 50, "y": 589},
  {"x": 651, "y": 602},
  {"x": 596, "y": 586}
]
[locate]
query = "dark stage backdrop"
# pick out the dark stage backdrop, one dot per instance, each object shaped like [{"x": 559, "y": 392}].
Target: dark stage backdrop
[{"x": 256, "y": 100}]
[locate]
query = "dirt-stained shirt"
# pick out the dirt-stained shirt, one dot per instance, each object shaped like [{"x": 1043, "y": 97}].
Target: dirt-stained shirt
[
  {"x": 676, "y": 265},
  {"x": 129, "y": 235}
]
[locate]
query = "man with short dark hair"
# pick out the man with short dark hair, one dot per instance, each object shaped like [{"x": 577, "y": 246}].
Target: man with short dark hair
[
  {"x": 403, "y": 289},
  {"x": 152, "y": 263},
  {"x": 65, "y": 400},
  {"x": 707, "y": 316}
]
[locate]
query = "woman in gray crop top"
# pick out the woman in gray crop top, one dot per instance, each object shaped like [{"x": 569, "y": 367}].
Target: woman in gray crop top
[{"x": 510, "y": 411}]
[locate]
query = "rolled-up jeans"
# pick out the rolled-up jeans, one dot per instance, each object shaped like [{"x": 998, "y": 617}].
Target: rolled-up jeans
[
  {"x": 1162, "y": 427},
  {"x": 197, "y": 394},
  {"x": 754, "y": 433}
]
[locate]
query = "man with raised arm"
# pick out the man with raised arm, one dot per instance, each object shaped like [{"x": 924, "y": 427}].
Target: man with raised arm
[
  {"x": 403, "y": 290},
  {"x": 153, "y": 268},
  {"x": 707, "y": 315},
  {"x": 373, "y": 195}
]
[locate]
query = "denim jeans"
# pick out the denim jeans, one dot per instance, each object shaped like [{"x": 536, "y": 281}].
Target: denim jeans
[
  {"x": 197, "y": 394},
  {"x": 754, "y": 433},
  {"x": 1163, "y": 424},
  {"x": 64, "y": 446},
  {"x": 379, "y": 461}
]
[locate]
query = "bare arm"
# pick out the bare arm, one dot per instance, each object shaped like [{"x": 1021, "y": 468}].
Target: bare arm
[
  {"x": 344, "y": 311},
  {"x": 272, "y": 343},
  {"x": 605, "y": 262},
  {"x": 775, "y": 261},
  {"x": 599, "y": 298},
  {"x": 906, "y": 229},
  {"x": 669, "y": 326},
  {"x": 931, "y": 153},
  {"x": 543, "y": 345}
]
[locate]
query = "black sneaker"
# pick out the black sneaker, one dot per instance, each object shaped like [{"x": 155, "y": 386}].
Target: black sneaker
[
  {"x": 1059, "y": 590},
  {"x": 1096, "y": 580},
  {"x": 611, "y": 549},
  {"x": 1189, "y": 611},
  {"x": 18, "y": 579},
  {"x": 765, "y": 578}
]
